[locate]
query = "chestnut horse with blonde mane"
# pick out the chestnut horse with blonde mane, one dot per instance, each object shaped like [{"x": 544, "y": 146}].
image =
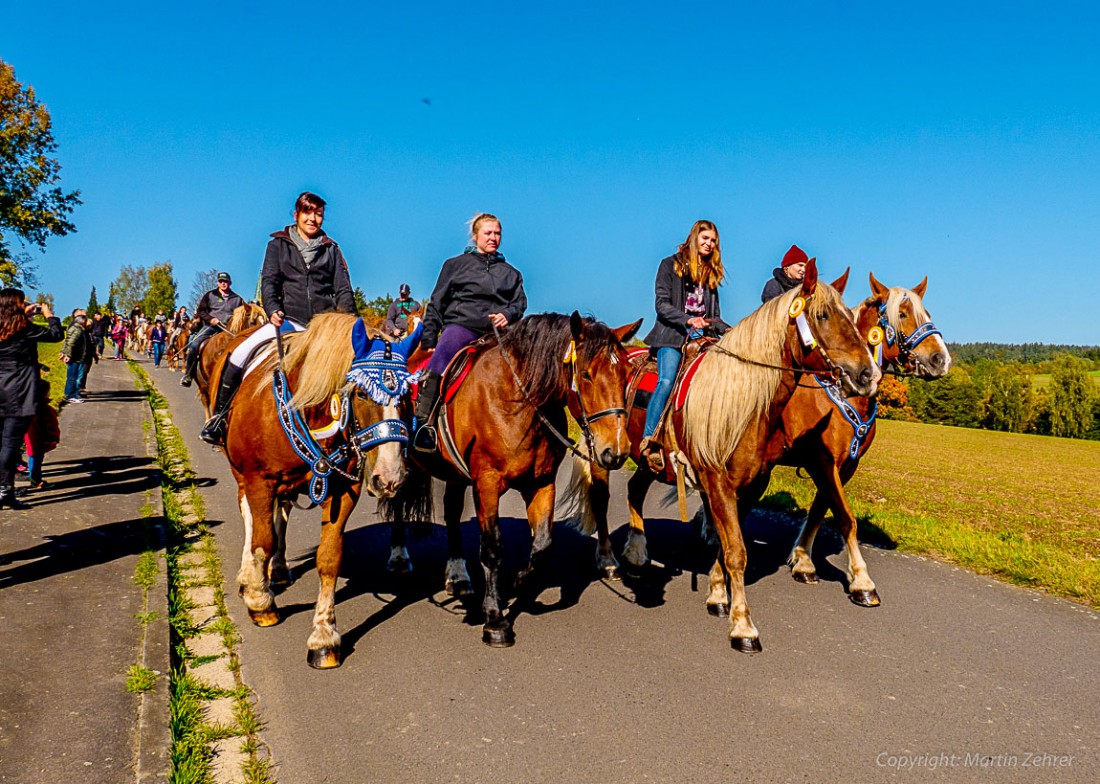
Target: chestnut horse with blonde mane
[
  {"x": 245, "y": 318},
  {"x": 357, "y": 438},
  {"x": 506, "y": 422},
  {"x": 728, "y": 435},
  {"x": 827, "y": 435}
]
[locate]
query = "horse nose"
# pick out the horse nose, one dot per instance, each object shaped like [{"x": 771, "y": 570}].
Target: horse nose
[
  {"x": 867, "y": 376},
  {"x": 384, "y": 486},
  {"x": 938, "y": 361},
  {"x": 612, "y": 459}
]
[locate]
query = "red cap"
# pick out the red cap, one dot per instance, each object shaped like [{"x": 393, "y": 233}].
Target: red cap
[{"x": 794, "y": 256}]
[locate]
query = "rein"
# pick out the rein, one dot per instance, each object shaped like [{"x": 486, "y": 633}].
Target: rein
[
  {"x": 306, "y": 447},
  {"x": 584, "y": 421}
]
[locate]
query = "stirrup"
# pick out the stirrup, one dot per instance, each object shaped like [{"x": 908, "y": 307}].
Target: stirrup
[
  {"x": 185, "y": 381},
  {"x": 426, "y": 439},
  {"x": 651, "y": 451},
  {"x": 213, "y": 432}
]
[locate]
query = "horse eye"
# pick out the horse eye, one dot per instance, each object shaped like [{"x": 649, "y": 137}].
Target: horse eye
[{"x": 586, "y": 375}]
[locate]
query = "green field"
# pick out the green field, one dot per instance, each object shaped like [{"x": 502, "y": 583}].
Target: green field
[
  {"x": 1042, "y": 380},
  {"x": 1021, "y": 507}
]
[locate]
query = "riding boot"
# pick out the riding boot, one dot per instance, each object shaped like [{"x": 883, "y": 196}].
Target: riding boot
[
  {"x": 214, "y": 431},
  {"x": 189, "y": 367},
  {"x": 8, "y": 499},
  {"x": 425, "y": 439}
]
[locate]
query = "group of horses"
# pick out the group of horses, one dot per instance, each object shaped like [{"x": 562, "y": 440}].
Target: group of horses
[{"x": 325, "y": 412}]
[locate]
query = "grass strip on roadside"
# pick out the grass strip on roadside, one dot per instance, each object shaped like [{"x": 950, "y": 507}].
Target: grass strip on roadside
[{"x": 193, "y": 563}]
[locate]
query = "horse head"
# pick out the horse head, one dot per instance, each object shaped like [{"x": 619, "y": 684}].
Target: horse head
[
  {"x": 380, "y": 379},
  {"x": 905, "y": 333},
  {"x": 822, "y": 335},
  {"x": 600, "y": 372}
]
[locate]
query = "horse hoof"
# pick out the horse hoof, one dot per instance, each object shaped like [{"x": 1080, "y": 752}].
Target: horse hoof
[
  {"x": 399, "y": 566},
  {"x": 611, "y": 574},
  {"x": 865, "y": 598},
  {"x": 806, "y": 578},
  {"x": 324, "y": 658},
  {"x": 746, "y": 644},
  {"x": 720, "y": 610},
  {"x": 498, "y": 638},
  {"x": 264, "y": 618},
  {"x": 280, "y": 577},
  {"x": 459, "y": 589}
]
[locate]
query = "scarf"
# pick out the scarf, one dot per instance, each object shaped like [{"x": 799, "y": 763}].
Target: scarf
[{"x": 308, "y": 248}]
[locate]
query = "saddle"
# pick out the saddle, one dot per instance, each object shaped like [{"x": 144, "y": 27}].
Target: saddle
[{"x": 643, "y": 382}]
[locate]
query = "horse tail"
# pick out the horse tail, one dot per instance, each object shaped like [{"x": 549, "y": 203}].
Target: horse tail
[{"x": 574, "y": 505}]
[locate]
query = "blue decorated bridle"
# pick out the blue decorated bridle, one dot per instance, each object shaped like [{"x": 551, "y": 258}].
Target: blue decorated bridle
[{"x": 903, "y": 343}]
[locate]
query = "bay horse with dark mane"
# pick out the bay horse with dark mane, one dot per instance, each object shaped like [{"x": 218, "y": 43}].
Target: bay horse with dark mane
[
  {"x": 724, "y": 434},
  {"x": 827, "y": 435},
  {"x": 314, "y": 424},
  {"x": 502, "y": 428}
]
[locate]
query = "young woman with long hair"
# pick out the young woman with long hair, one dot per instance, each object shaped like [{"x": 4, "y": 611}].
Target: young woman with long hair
[{"x": 686, "y": 298}]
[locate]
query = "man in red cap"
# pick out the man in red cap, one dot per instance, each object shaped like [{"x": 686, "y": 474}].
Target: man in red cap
[{"x": 787, "y": 275}]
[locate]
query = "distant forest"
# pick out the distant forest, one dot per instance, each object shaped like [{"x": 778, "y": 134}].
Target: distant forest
[
  {"x": 1024, "y": 353},
  {"x": 1028, "y": 388}
]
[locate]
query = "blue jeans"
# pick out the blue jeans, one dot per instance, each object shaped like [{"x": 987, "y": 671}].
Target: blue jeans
[
  {"x": 72, "y": 379},
  {"x": 158, "y": 352},
  {"x": 668, "y": 362}
]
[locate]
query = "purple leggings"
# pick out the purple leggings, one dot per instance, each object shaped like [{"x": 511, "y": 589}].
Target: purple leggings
[{"x": 451, "y": 341}]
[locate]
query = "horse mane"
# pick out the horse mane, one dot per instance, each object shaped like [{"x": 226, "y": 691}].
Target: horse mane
[
  {"x": 537, "y": 344},
  {"x": 727, "y": 395},
  {"x": 322, "y": 356},
  {"x": 245, "y": 316}
]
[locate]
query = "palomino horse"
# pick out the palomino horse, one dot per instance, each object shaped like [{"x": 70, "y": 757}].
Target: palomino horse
[
  {"x": 176, "y": 350},
  {"x": 827, "y": 434},
  {"x": 727, "y": 435},
  {"x": 504, "y": 426},
  {"x": 349, "y": 431},
  {"x": 245, "y": 318}
]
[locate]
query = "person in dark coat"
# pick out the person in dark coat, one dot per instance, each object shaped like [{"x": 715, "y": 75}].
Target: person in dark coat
[
  {"x": 304, "y": 274},
  {"x": 214, "y": 310},
  {"x": 787, "y": 275},
  {"x": 476, "y": 291},
  {"x": 686, "y": 298},
  {"x": 397, "y": 317},
  {"x": 19, "y": 379},
  {"x": 158, "y": 335},
  {"x": 73, "y": 351}
]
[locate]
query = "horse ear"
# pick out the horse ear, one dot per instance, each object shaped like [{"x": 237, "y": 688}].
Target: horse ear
[
  {"x": 841, "y": 283},
  {"x": 921, "y": 287},
  {"x": 878, "y": 289},
  {"x": 626, "y": 332},
  {"x": 576, "y": 325},
  {"x": 809, "y": 280}
]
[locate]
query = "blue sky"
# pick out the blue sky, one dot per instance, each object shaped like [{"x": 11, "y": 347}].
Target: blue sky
[{"x": 957, "y": 140}]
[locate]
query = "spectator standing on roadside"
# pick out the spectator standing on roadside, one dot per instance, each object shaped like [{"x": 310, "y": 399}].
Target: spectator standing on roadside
[
  {"x": 100, "y": 327},
  {"x": 43, "y": 435},
  {"x": 89, "y": 356},
  {"x": 72, "y": 354},
  {"x": 19, "y": 379},
  {"x": 119, "y": 333}
]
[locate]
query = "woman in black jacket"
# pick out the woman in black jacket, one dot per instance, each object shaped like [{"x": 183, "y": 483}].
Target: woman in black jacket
[
  {"x": 19, "y": 379},
  {"x": 476, "y": 291},
  {"x": 686, "y": 297}
]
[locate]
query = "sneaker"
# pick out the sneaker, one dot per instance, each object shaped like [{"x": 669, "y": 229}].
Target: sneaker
[{"x": 74, "y": 400}]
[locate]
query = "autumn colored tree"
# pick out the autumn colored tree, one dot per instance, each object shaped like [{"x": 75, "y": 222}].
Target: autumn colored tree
[
  {"x": 32, "y": 205},
  {"x": 893, "y": 400}
]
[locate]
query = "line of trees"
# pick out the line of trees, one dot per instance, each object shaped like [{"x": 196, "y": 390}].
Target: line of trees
[{"x": 1001, "y": 396}]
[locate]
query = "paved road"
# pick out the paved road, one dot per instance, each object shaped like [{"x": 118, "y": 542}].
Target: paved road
[{"x": 954, "y": 678}]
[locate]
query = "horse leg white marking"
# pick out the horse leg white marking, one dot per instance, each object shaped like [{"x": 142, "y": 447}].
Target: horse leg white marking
[
  {"x": 399, "y": 562},
  {"x": 716, "y": 580},
  {"x": 324, "y": 634},
  {"x": 800, "y": 560},
  {"x": 635, "y": 552},
  {"x": 457, "y": 579},
  {"x": 244, "y": 573}
]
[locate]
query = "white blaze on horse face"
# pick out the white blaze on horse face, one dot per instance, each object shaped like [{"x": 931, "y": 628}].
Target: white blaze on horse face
[{"x": 389, "y": 463}]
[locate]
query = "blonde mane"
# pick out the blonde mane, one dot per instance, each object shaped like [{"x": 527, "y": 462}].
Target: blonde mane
[
  {"x": 245, "y": 316},
  {"x": 895, "y": 296},
  {"x": 322, "y": 356},
  {"x": 727, "y": 394}
]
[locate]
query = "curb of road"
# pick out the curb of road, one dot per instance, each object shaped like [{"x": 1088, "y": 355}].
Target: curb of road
[{"x": 205, "y": 638}]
